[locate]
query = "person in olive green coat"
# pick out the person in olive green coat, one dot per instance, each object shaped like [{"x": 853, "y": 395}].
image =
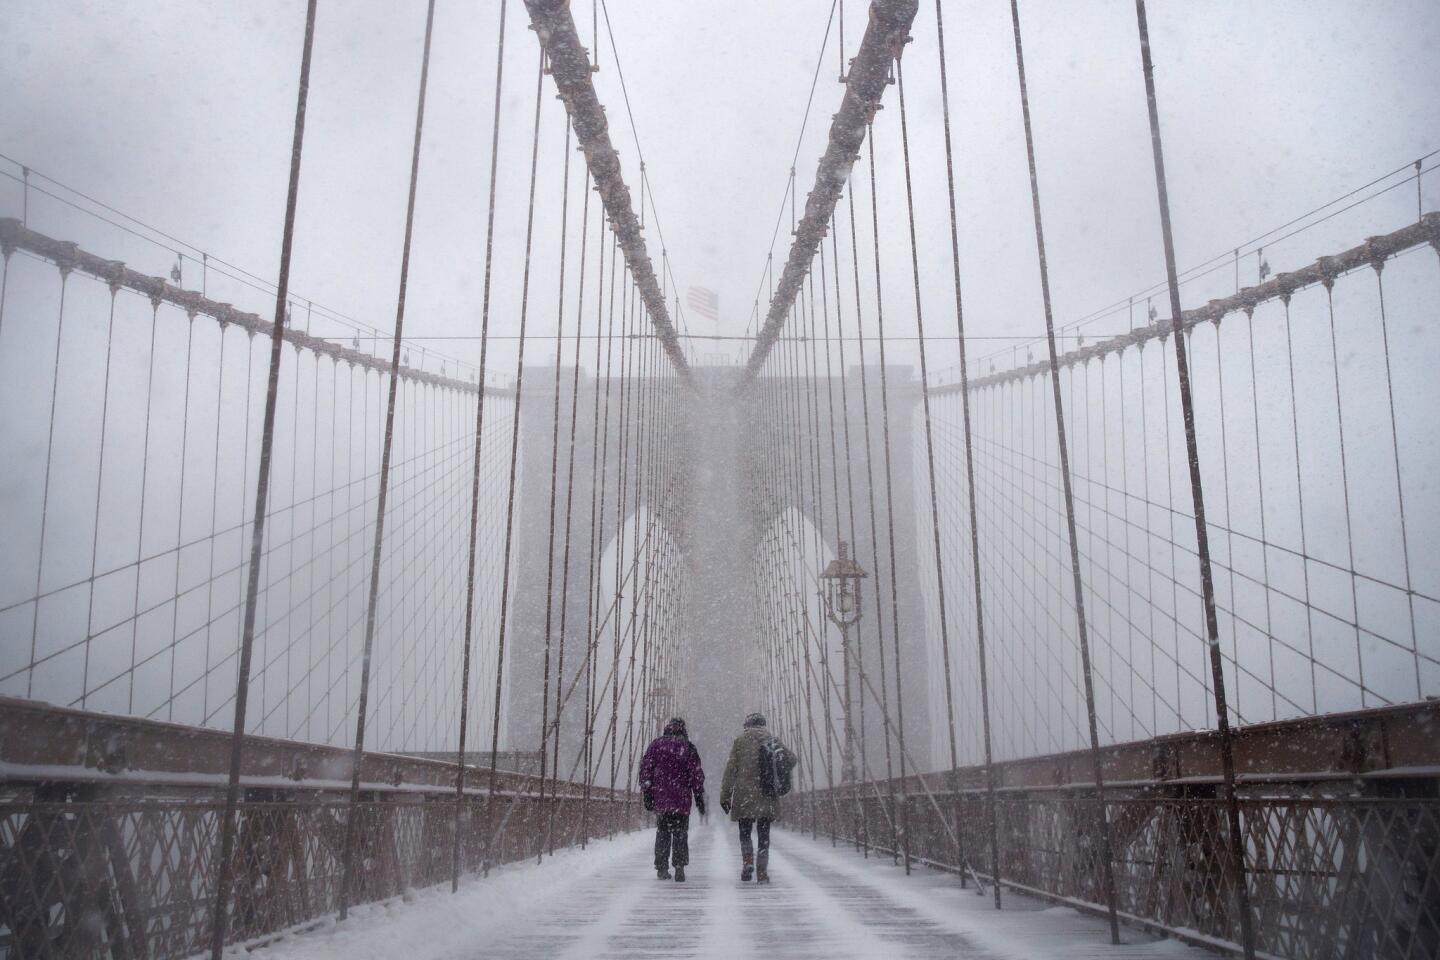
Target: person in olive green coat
[{"x": 742, "y": 797}]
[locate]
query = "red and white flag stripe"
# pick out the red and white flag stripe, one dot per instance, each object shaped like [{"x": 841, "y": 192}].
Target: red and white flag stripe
[{"x": 703, "y": 303}]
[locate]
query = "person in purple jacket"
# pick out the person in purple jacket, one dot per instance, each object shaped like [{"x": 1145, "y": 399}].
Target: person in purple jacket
[{"x": 670, "y": 775}]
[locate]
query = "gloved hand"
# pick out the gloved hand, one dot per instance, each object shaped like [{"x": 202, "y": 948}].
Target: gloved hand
[
  {"x": 700, "y": 803},
  {"x": 725, "y": 805},
  {"x": 649, "y": 800}
]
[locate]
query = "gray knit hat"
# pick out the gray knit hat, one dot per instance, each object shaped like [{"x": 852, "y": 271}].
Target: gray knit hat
[{"x": 755, "y": 720}]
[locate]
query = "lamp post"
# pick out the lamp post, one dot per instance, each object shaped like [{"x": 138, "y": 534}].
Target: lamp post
[{"x": 841, "y": 596}]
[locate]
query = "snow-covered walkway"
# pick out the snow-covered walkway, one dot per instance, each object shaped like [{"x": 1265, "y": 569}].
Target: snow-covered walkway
[{"x": 606, "y": 902}]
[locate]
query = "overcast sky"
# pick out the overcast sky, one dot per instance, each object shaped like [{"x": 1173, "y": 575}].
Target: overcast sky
[{"x": 179, "y": 114}]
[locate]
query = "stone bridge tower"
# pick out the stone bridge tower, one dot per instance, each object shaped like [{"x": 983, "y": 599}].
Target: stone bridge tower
[{"x": 717, "y": 519}]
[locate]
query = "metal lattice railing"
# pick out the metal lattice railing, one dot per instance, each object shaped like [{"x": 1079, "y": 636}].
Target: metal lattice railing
[
  {"x": 1330, "y": 876},
  {"x": 134, "y": 878},
  {"x": 109, "y": 830}
]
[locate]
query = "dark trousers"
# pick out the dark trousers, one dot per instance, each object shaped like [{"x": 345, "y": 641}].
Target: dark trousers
[
  {"x": 672, "y": 839},
  {"x": 762, "y": 833}
]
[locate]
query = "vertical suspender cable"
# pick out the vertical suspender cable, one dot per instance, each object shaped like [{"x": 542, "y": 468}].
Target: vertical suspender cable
[
  {"x": 290, "y": 574},
  {"x": 622, "y": 421},
  {"x": 900, "y": 815},
  {"x": 622, "y": 468},
  {"x": 637, "y": 456},
  {"x": 100, "y": 484},
  {"x": 514, "y": 461},
  {"x": 817, "y": 482},
  {"x": 475, "y": 468},
  {"x": 1102, "y": 815},
  {"x": 835, "y": 510},
  {"x": 870, "y": 497},
  {"x": 848, "y": 763},
  {"x": 597, "y": 470},
  {"x": 802, "y": 476},
  {"x": 796, "y": 545},
  {"x": 991, "y": 821},
  {"x": 140, "y": 518},
  {"x": 570, "y": 468},
  {"x": 225, "y": 879},
  {"x": 930, "y": 448},
  {"x": 791, "y": 553},
  {"x": 644, "y": 464},
  {"x": 874, "y": 530},
  {"x": 1197, "y": 493},
  {"x": 1378, "y": 266},
  {"x": 352, "y": 808},
  {"x": 554, "y": 470},
  {"x": 644, "y": 487},
  {"x": 599, "y": 545},
  {"x": 45, "y": 488}
]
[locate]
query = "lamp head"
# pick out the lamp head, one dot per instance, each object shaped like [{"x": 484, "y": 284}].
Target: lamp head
[{"x": 842, "y": 577}]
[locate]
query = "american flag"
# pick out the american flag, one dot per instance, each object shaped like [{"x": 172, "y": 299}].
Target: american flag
[{"x": 704, "y": 303}]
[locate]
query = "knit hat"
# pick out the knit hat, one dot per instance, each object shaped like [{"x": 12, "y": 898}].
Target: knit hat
[
  {"x": 676, "y": 728},
  {"x": 755, "y": 720}
]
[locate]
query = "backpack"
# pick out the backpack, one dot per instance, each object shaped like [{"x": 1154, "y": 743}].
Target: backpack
[{"x": 776, "y": 763}]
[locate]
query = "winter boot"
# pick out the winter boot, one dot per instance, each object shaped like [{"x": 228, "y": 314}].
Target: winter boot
[
  {"x": 748, "y": 870},
  {"x": 679, "y": 874},
  {"x": 762, "y": 871},
  {"x": 662, "y": 873}
]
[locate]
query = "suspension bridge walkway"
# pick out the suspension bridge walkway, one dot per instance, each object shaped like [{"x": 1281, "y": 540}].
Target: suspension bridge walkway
[
  {"x": 823, "y": 902},
  {"x": 318, "y": 638}
]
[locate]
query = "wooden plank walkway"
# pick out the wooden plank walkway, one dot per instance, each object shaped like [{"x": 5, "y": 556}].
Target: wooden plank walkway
[{"x": 822, "y": 903}]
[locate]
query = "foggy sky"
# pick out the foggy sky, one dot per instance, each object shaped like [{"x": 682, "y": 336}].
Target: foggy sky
[{"x": 179, "y": 114}]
